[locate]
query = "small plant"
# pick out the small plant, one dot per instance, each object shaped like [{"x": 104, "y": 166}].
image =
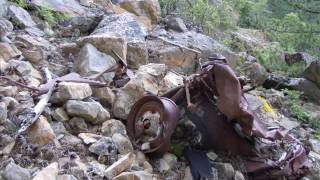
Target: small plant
[
  {"x": 22, "y": 3},
  {"x": 270, "y": 59},
  {"x": 294, "y": 105},
  {"x": 48, "y": 15}
]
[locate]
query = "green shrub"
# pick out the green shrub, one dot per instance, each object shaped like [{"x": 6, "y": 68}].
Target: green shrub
[
  {"x": 201, "y": 13},
  {"x": 22, "y": 3},
  {"x": 294, "y": 105},
  {"x": 48, "y": 15},
  {"x": 270, "y": 58}
]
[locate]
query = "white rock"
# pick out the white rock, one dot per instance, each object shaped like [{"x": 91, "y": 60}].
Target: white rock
[
  {"x": 48, "y": 173},
  {"x": 120, "y": 166},
  {"x": 123, "y": 143}
]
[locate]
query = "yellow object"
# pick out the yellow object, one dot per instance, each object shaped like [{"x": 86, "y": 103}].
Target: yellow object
[{"x": 266, "y": 106}]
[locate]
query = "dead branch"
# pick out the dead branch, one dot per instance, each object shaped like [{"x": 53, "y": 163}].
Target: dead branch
[
  {"x": 18, "y": 83},
  {"x": 35, "y": 112},
  {"x": 176, "y": 44}
]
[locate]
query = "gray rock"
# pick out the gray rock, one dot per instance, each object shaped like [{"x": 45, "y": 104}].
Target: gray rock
[
  {"x": 91, "y": 61},
  {"x": 78, "y": 124},
  {"x": 126, "y": 97},
  {"x": 185, "y": 61},
  {"x": 41, "y": 132},
  {"x": 92, "y": 112},
  {"x": 106, "y": 43},
  {"x": 312, "y": 73},
  {"x": 60, "y": 114},
  {"x": 171, "y": 80},
  {"x": 70, "y": 140},
  {"x": 136, "y": 175},
  {"x": 146, "y": 8},
  {"x": 112, "y": 126},
  {"x": 127, "y": 26},
  {"x": 238, "y": 176},
  {"x": 97, "y": 168},
  {"x": 3, "y": 112},
  {"x": 15, "y": 172},
  {"x": 175, "y": 23},
  {"x": 8, "y": 51},
  {"x": 89, "y": 138},
  {"x": 6, "y": 28},
  {"x": 121, "y": 165},
  {"x": 105, "y": 96},
  {"x": 71, "y": 91},
  {"x": 58, "y": 128},
  {"x": 49, "y": 173},
  {"x": 66, "y": 7},
  {"x": 86, "y": 23},
  {"x": 255, "y": 72},
  {"x": 20, "y": 17},
  {"x": 307, "y": 87},
  {"x": 24, "y": 68},
  {"x": 167, "y": 162},
  {"x": 66, "y": 177},
  {"x": 123, "y": 143},
  {"x": 105, "y": 146},
  {"x": 225, "y": 170},
  {"x": 315, "y": 144}
]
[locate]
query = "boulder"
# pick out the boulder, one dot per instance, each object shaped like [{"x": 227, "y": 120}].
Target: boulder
[
  {"x": 171, "y": 80},
  {"x": 312, "y": 73},
  {"x": 255, "y": 72},
  {"x": 48, "y": 173},
  {"x": 123, "y": 143},
  {"x": 92, "y": 112},
  {"x": 66, "y": 7},
  {"x": 127, "y": 26},
  {"x": 126, "y": 97},
  {"x": 71, "y": 91},
  {"x": 121, "y": 165},
  {"x": 106, "y": 43},
  {"x": 15, "y": 172},
  {"x": 164, "y": 49},
  {"x": 151, "y": 75},
  {"x": 20, "y": 17},
  {"x": 105, "y": 96},
  {"x": 8, "y": 51},
  {"x": 175, "y": 23},
  {"x": 41, "y": 132},
  {"x": 146, "y": 8},
  {"x": 299, "y": 57},
  {"x": 112, "y": 126},
  {"x": 136, "y": 175},
  {"x": 239, "y": 176},
  {"x": 91, "y": 61}
]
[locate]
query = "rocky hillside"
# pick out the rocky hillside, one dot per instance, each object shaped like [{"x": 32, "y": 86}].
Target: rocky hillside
[{"x": 71, "y": 71}]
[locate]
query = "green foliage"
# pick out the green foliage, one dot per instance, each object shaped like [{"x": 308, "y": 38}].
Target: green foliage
[
  {"x": 295, "y": 24},
  {"x": 235, "y": 43},
  {"x": 270, "y": 58},
  {"x": 47, "y": 15},
  {"x": 201, "y": 13},
  {"x": 22, "y": 3},
  {"x": 294, "y": 105}
]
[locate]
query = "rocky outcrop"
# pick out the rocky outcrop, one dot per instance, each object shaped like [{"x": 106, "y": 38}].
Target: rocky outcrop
[
  {"x": 312, "y": 72},
  {"x": 91, "y": 61},
  {"x": 67, "y": 7},
  {"x": 146, "y": 8},
  {"x": 299, "y": 57},
  {"x": 20, "y": 17},
  {"x": 128, "y": 27}
]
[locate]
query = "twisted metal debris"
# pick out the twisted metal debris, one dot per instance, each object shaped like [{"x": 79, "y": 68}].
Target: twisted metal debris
[{"x": 216, "y": 104}]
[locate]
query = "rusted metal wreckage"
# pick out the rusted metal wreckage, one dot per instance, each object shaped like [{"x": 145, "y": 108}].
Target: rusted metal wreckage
[{"x": 215, "y": 102}]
